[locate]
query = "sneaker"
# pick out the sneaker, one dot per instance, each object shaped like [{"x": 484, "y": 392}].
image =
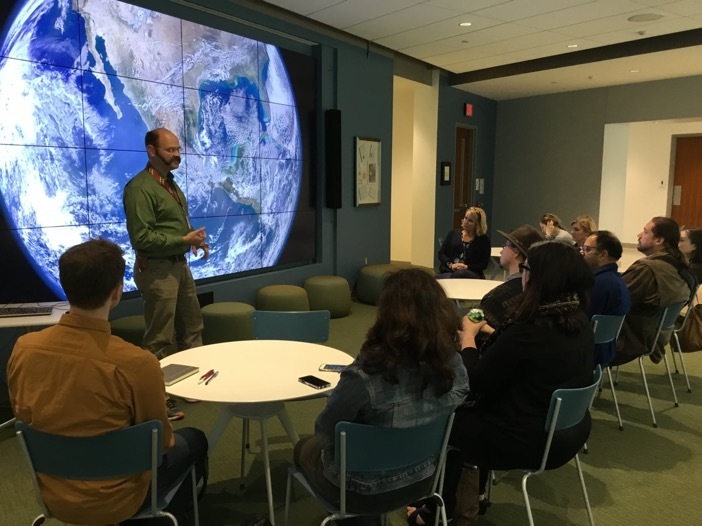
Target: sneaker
[{"x": 172, "y": 410}]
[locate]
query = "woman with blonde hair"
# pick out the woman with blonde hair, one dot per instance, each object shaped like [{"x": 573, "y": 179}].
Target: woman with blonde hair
[
  {"x": 580, "y": 229},
  {"x": 465, "y": 253}
]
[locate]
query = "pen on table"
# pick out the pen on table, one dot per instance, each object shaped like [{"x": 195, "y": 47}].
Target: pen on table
[
  {"x": 212, "y": 377},
  {"x": 206, "y": 376}
]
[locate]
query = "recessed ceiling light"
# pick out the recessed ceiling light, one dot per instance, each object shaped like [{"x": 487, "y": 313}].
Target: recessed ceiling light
[
  {"x": 572, "y": 46},
  {"x": 465, "y": 24},
  {"x": 645, "y": 17},
  {"x": 465, "y": 41},
  {"x": 633, "y": 71}
]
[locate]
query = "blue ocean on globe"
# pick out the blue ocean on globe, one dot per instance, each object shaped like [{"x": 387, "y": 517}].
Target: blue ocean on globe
[{"x": 80, "y": 84}]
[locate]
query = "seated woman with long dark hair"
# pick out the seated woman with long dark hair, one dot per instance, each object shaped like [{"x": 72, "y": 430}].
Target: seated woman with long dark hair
[
  {"x": 546, "y": 345},
  {"x": 407, "y": 373}
]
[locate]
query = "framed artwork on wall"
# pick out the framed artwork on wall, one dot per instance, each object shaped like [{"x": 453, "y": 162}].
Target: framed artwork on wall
[
  {"x": 367, "y": 171},
  {"x": 445, "y": 174}
]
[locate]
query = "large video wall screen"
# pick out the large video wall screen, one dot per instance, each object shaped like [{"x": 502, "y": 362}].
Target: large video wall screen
[{"x": 80, "y": 84}]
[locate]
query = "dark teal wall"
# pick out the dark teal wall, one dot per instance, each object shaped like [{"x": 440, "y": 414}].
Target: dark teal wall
[
  {"x": 548, "y": 151},
  {"x": 451, "y": 101}
]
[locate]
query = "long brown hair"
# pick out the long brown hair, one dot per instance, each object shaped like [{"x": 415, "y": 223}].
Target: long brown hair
[{"x": 416, "y": 328}]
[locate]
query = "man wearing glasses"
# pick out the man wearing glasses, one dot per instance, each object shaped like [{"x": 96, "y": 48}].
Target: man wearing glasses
[
  {"x": 609, "y": 296},
  {"x": 161, "y": 235}
]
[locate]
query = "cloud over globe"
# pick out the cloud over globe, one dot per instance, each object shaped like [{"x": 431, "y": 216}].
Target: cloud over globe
[{"x": 80, "y": 84}]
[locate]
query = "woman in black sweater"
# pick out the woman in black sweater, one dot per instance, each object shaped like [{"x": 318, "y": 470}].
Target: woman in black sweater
[
  {"x": 547, "y": 345},
  {"x": 465, "y": 253}
]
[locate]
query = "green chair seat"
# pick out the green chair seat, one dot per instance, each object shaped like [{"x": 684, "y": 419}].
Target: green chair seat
[
  {"x": 330, "y": 293},
  {"x": 226, "y": 321},
  {"x": 370, "y": 282},
  {"x": 282, "y": 298}
]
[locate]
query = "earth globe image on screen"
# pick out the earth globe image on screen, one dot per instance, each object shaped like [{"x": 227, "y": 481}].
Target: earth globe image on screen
[{"x": 80, "y": 84}]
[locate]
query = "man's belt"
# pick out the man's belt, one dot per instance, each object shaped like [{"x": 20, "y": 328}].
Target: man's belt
[{"x": 178, "y": 258}]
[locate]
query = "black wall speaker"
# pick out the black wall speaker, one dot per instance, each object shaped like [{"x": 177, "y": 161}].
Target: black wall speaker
[{"x": 332, "y": 151}]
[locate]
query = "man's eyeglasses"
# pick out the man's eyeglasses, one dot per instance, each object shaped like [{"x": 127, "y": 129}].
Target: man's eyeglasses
[
  {"x": 586, "y": 249},
  {"x": 524, "y": 267}
]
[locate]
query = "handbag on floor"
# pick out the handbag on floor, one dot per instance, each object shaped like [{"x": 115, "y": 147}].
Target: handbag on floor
[{"x": 691, "y": 335}]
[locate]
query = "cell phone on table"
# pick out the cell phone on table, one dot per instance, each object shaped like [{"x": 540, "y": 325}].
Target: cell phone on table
[
  {"x": 332, "y": 367},
  {"x": 314, "y": 382}
]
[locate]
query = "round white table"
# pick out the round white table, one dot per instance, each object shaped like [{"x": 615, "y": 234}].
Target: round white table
[
  {"x": 254, "y": 371},
  {"x": 254, "y": 378},
  {"x": 468, "y": 289}
]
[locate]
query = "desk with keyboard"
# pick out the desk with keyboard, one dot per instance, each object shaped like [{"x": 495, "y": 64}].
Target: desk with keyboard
[{"x": 32, "y": 314}]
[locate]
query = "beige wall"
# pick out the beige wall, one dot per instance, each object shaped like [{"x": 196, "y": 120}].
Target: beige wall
[
  {"x": 414, "y": 171},
  {"x": 646, "y": 174}
]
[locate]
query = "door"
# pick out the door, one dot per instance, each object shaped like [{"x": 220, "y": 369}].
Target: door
[
  {"x": 687, "y": 182},
  {"x": 464, "y": 173}
]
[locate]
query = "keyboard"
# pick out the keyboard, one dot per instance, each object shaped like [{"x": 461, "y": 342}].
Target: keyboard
[{"x": 11, "y": 312}]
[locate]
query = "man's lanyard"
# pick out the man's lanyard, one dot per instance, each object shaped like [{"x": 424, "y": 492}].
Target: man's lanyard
[{"x": 171, "y": 190}]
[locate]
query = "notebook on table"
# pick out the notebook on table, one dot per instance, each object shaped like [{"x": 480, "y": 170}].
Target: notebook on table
[{"x": 176, "y": 372}]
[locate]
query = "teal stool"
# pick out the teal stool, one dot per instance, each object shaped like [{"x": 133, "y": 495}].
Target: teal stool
[
  {"x": 226, "y": 321},
  {"x": 282, "y": 298},
  {"x": 330, "y": 293},
  {"x": 130, "y": 328},
  {"x": 370, "y": 282}
]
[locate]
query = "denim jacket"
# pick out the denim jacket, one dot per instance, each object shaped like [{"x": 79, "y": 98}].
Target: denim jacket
[{"x": 371, "y": 399}]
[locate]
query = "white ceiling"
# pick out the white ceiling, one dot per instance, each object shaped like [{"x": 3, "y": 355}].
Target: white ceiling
[{"x": 506, "y": 32}]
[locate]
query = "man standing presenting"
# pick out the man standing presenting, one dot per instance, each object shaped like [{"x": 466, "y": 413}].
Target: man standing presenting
[
  {"x": 654, "y": 282},
  {"x": 76, "y": 379},
  {"x": 609, "y": 296},
  {"x": 161, "y": 235}
]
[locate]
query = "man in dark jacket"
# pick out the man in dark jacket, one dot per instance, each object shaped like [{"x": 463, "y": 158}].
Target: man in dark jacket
[{"x": 609, "y": 296}]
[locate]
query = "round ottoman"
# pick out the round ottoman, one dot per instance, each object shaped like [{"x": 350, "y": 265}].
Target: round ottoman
[
  {"x": 226, "y": 321},
  {"x": 330, "y": 293},
  {"x": 282, "y": 298},
  {"x": 370, "y": 282},
  {"x": 130, "y": 328}
]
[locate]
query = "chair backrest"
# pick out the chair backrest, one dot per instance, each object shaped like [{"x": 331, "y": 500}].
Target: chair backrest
[
  {"x": 606, "y": 328},
  {"x": 670, "y": 315},
  {"x": 568, "y": 408},
  {"x": 365, "y": 448},
  {"x": 119, "y": 453},
  {"x": 301, "y": 326}
]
